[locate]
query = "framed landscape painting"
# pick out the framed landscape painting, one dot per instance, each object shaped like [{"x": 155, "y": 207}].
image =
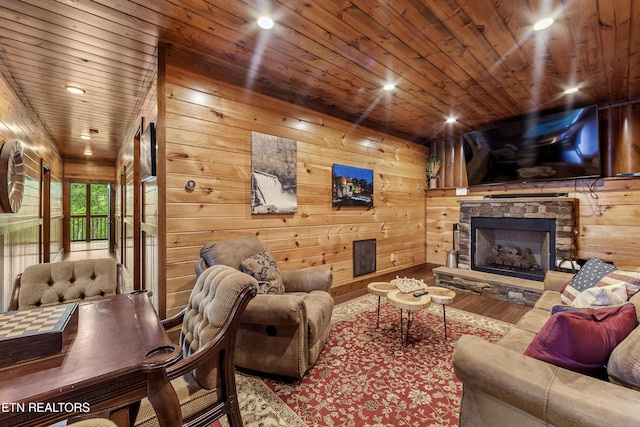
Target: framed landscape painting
[
  {"x": 352, "y": 186},
  {"x": 273, "y": 174}
]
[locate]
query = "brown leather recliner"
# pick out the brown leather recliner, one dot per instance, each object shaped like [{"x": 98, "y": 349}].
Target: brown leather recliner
[{"x": 281, "y": 334}]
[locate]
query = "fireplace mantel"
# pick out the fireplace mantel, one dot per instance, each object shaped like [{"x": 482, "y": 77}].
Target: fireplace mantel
[
  {"x": 562, "y": 209},
  {"x": 516, "y": 199}
]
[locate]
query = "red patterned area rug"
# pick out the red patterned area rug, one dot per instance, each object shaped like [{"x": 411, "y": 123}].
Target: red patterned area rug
[{"x": 366, "y": 377}]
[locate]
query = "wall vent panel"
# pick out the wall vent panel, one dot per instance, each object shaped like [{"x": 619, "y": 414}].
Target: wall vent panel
[{"x": 364, "y": 257}]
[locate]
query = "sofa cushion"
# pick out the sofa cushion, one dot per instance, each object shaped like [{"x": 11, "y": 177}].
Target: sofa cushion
[
  {"x": 533, "y": 320},
  {"x": 582, "y": 340},
  {"x": 588, "y": 276},
  {"x": 264, "y": 269},
  {"x": 516, "y": 339},
  {"x": 636, "y": 301},
  {"x": 547, "y": 300},
  {"x": 624, "y": 367}
]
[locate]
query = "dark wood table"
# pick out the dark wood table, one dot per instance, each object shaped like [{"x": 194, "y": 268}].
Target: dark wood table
[{"x": 114, "y": 359}]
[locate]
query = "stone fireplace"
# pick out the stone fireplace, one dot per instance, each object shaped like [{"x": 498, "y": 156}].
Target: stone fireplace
[
  {"x": 516, "y": 236},
  {"x": 519, "y": 247}
]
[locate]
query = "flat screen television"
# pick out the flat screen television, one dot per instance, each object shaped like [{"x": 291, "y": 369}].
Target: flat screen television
[{"x": 547, "y": 147}]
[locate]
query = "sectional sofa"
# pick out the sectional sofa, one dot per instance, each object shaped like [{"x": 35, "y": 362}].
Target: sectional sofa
[{"x": 531, "y": 378}]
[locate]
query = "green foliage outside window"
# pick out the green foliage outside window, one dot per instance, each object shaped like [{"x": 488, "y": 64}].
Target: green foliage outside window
[
  {"x": 98, "y": 204},
  {"x": 99, "y": 199},
  {"x": 78, "y": 199}
]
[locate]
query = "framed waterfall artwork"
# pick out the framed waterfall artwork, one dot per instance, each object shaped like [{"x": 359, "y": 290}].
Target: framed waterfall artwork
[
  {"x": 273, "y": 174},
  {"x": 352, "y": 186}
]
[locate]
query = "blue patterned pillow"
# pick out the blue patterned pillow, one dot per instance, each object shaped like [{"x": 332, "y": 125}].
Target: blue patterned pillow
[{"x": 589, "y": 275}]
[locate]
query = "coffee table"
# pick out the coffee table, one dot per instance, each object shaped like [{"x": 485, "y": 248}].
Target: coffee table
[
  {"x": 410, "y": 303},
  {"x": 381, "y": 289}
]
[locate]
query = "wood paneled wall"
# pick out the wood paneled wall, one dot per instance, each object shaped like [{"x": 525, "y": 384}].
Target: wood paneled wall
[
  {"x": 20, "y": 232},
  {"x": 89, "y": 172},
  {"x": 620, "y": 131},
  {"x": 208, "y": 140},
  {"x": 136, "y": 212}
]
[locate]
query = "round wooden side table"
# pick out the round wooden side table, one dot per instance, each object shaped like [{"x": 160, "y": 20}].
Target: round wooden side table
[{"x": 381, "y": 289}]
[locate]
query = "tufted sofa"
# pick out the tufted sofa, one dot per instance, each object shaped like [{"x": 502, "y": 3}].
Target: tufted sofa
[
  {"x": 281, "y": 334},
  {"x": 67, "y": 281},
  {"x": 502, "y": 386}
]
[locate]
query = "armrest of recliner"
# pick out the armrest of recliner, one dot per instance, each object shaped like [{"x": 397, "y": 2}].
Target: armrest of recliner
[
  {"x": 272, "y": 309},
  {"x": 307, "y": 279},
  {"x": 552, "y": 394}
]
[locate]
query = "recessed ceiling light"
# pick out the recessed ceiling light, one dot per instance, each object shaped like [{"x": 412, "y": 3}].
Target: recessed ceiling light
[
  {"x": 389, "y": 86},
  {"x": 571, "y": 90},
  {"x": 85, "y": 136},
  {"x": 75, "y": 89},
  {"x": 88, "y": 152},
  {"x": 265, "y": 22},
  {"x": 451, "y": 120},
  {"x": 543, "y": 24}
]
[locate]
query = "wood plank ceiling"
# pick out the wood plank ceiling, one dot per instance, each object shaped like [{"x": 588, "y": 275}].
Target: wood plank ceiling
[{"x": 477, "y": 60}]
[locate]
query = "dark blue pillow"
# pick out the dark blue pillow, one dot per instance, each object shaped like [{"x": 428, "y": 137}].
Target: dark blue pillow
[{"x": 558, "y": 308}]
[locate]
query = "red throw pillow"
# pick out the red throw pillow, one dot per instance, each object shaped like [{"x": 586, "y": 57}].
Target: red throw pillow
[{"x": 582, "y": 340}]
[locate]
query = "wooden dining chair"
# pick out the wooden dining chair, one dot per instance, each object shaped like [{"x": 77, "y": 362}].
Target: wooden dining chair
[
  {"x": 204, "y": 379},
  {"x": 63, "y": 282}
]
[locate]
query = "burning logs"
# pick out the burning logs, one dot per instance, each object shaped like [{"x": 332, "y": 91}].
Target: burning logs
[{"x": 512, "y": 256}]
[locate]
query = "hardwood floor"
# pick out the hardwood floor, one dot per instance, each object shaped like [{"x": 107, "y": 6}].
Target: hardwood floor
[
  {"x": 489, "y": 307},
  {"x": 483, "y": 306},
  {"x": 88, "y": 250}
]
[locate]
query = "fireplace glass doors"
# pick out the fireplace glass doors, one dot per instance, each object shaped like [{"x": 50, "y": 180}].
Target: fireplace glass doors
[{"x": 519, "y": 247}]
